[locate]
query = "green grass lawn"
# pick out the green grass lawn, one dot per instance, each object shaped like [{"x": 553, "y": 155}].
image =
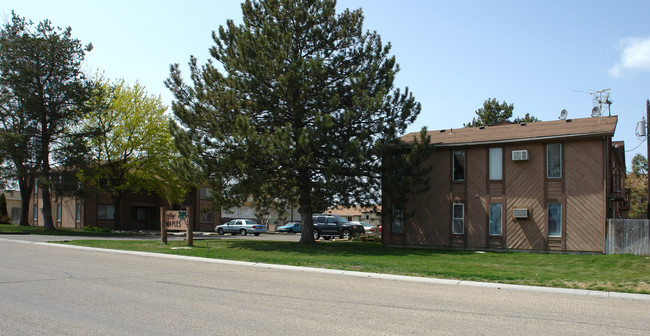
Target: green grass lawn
[
  {"x": 620, "y": 273},
  {"x": 39, "y": 230}
]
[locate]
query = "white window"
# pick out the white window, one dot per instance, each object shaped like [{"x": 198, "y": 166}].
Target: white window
[
  {"x": 458, "y": 221},
  {"x": 496, "y": 163},
  {"x": 496, "y": 219},
  {"x": 206, "y": 193},
  {"x": 554, "y": 160},
  {"x": 554, "y": 219},
  {"x": 105, "y": 211},
  {"x": 207, "y": 216},
  {"x": 35, "y": 211},
  {"x": 398, "y": 219},
  {"x": 459, "y": 165}
]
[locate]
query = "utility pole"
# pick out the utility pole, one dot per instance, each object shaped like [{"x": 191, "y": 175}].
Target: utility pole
[{"x": 648, "y": 155}]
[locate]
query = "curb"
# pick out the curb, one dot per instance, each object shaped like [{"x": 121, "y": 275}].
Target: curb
[{"x": 357, "y": 274}]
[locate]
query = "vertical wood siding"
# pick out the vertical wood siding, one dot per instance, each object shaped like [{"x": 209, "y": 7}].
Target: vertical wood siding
[
  {"x": 476, "y": 221},
  {"x": 525, "y": 188},
  {"x": 428, "y": 214},
  {"x": 585, "y": 196}
]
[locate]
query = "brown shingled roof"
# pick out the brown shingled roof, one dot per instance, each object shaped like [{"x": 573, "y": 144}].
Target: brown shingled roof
[{"x": 541, "y": 130}]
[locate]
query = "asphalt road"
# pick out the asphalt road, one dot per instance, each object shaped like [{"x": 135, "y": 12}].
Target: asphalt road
[{"x": 53, "y": 290}]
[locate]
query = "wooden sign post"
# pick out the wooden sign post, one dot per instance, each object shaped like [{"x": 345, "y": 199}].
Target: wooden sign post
[{"x": 189, "y": 233}]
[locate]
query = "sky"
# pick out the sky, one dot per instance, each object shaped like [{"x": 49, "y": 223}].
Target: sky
[{"x": 541, "y": 56}]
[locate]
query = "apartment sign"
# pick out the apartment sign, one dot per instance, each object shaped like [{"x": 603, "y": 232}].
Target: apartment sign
[{"x": 176, "y": 220}]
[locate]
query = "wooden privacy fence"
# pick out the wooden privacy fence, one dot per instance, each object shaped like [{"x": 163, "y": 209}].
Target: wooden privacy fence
[{"x": 628, "y": 236}]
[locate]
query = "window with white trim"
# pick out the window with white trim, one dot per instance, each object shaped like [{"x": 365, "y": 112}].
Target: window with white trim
[
  {"x": 458, "y": 219},
  {"x": 496, "y": 163},
  {"x": 554, "y": 218},
  {"x": 496, "y": 219},
  {"x": 554, "y": 160}
]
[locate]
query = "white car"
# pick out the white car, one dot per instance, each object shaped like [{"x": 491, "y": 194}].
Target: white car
[
  {"x": 370, "y": 230},
  {"x": 240, "y": 226}
]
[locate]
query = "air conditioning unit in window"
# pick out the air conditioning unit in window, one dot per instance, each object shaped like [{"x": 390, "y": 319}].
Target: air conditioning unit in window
[
  {"x": 520, "y": 213},
  {"x": 520, "y": 155}
]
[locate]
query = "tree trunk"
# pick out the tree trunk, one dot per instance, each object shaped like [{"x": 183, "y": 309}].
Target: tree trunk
[
  {"x": 305, "y": 210},
  {"x": 47, "y": 208},
  {"x": 45, "y": 187},
  {"x": 25, "y": 196}
]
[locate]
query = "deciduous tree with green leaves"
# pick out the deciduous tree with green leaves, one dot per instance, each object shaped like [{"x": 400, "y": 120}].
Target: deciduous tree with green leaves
[
  {"x": 42, "y": 87},
  {"x": 300, "y": 106},
  {"x": 493, "y": 112},
  {"x": 131, "y": 148},
  {"x": 637, "y": 181}
]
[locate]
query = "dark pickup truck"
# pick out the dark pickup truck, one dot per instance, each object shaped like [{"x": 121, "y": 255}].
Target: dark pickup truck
[{"x": 328, "y": 226}]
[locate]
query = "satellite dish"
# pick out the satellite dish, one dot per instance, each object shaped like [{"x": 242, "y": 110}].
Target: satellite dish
[
  {"x": 595, "y": 112},
  {"x": 564, "y": 114}
]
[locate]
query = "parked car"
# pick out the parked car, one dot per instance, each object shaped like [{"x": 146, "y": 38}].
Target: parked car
[
  {"x": 293, "y": 227},
  {"x": 240, "y": 226},
  {"x": 370, "y": 229},
  {"x": 328, "y": 226}
]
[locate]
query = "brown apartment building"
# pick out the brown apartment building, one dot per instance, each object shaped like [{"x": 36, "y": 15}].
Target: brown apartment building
[
  {"x": 532, "y": 186},
  {"x": 140, "y": 211}
]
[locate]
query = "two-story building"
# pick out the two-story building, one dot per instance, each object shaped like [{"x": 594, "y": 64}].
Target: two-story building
[
  {"x": 531, "y": 186},
  {"x": 139, "y": 211}
]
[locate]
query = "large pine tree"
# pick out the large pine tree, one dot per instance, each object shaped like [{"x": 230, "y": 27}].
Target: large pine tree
[
  {"x": 41, "y": 89},
  {"x": 299, "y": 106}
]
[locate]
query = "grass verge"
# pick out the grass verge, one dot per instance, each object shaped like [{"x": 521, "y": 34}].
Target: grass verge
[
  {"x": 618, "y": 273},
  {"x": 39, "y": 230}
]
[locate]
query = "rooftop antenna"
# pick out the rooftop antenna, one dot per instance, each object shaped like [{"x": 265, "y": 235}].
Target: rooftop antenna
[
  {"x": 564, "y": 114},
  {"x": 601, "y": 101}
]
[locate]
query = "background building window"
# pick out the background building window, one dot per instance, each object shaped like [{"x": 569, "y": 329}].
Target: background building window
[
  {"x": 459, "y": 165},
  {"x": 554, "y": 160},
  {"x": 398, "y": 219},
  {"x": 496, "y": 163},
  {"x": 207, "y": 217},
  {"x": 496, "y": 218},
  {"x": 35, "y": 211},
  {"x": 139, "y": 214},
  {"x": 555, "y": 219},
  {"x": 105, "y": 211},
  {"x": 458, "y": 221},
  {"x": 58, "y": 212},
  {"x": 205, "y": 193},
  {"x": 77, "y": 212}
]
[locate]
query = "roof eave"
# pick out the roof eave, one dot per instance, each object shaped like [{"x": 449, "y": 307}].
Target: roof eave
[{"x": 489, "y": 142}]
